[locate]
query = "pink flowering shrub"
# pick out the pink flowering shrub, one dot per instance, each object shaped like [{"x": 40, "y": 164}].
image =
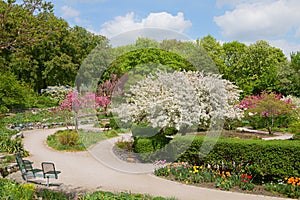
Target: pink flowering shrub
[
  {"x": 87, "y": 102},
  {"x": 266, "y": 108}
]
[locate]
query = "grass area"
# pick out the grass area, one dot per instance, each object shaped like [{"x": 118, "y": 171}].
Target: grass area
[
  {"x": 89, "y": 138},
  {"x": 70, "y": 140}
]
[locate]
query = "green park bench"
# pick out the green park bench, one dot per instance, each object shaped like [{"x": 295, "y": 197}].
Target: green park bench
[
  {"x": 49, "y": 171},
  {"x": 27, "y": 171}
]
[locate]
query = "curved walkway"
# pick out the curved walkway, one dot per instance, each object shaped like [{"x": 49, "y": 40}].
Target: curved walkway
[{"x": 99, "y": 169}]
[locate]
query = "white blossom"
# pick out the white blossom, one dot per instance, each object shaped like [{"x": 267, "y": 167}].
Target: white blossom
[{"x": 180, "y": 99}]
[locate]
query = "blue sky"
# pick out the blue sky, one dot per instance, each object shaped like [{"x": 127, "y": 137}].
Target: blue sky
[{"x": 276, "y": 21}]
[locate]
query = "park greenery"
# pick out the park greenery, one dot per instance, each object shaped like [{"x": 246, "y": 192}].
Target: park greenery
[
  {"x": 15, "y": 191},
  {"x": 155, "y": 88},
  {"x": 48, "y": 52},
  {"x": 81, "y": 140}
]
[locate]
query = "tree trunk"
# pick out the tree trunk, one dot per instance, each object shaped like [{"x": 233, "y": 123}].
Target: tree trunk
[
  {"x": 76, "y": 121},
  {"x": 268, "y": 126}
]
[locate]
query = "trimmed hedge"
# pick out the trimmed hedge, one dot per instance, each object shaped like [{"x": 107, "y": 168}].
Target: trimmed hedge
[
  {"x": 265, "y": 160},
  {"x": 150, "y": 149}
]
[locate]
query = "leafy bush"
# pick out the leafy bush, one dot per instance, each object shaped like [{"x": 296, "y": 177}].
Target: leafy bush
[
  {"x": 51, "y": 195},
  {"x": 12, "y": 190},
  {"x": 143, "y": 131},
  {"x": 85, "y": 139},
  {"x": 116, "y": 123},
  {"x": 265, "y": 160},
  {"x": 7, "y": 144},
  {"x": 295, "y": 127},
  {"x": 151, "y": 149},
  {"x": 68, "y": 137}
]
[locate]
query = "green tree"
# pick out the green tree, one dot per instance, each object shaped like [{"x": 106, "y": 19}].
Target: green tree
[
  {"x": 215, "y": 50},
  {"x": 193, "y": 53},
  {"x": 269, "y": 106},
  {"x": 146, "y": 43},
  {"x": 22, "y": 24},
  {"x": 145, "y": 61},
  {"x": 257, "y": 69},
  {"x": 233, "y": 52},
  {"x": 12, "y": 92},
  {"x": 289, "y": 76}
]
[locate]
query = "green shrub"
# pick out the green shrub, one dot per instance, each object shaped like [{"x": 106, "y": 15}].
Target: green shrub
[
  {"x": 169, "y": 131},
  {"x": 84, "y": 139},
  {"x": 68, "y": 137},
  {"x": 280, "y": 121},
  {"x": 265, "y": 160},
  {"x": 295, "y": 127},
  {"x": 12, "y": 190},
  {"x": 151, "y": 149},
  {"x": 288, "y": 190},
  {"x": 143, "y": 131},
  {"x": 51, "y": 195},
  {"x": 10, "y": 146},
  {"x": 115, "y": 123}
]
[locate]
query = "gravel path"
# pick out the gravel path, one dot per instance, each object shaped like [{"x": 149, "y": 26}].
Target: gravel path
[{"x": 100, "y": 169}]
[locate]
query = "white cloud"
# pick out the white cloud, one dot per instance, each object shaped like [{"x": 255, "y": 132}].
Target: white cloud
[
  {"x": 286, "y": 46},
  {"x": 234, "y": 3},
  {"x": 221, "y": 3},
  {"x": 253, "y": 20},
  {"x": 68, "y": 12},
  {"x": 129, "y": 22}
]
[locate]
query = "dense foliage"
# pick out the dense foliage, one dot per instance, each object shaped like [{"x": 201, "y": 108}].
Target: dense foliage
[
  {"x": 180, "y": 100},
  {"x": 15, "y": 191},
  {"x": 264, "y": 160},
  {"x": 37, "y": 50},
  {"x": 270, "y": 109}
]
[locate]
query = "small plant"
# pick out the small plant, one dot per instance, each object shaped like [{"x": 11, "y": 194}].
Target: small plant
[
  {"x": 189, "y": 174},
  {"x": 125, "y": 145},
  {"x": 13, "y": 190},
  {"x": 246, "y": 182},
  {"x": 290, "y": 187},
  {"x": 68, "y": 137},
  {"x": 120, "y": 196},
  {"x": 81, "y": 139},
  {"x": 51, "y": 195}
]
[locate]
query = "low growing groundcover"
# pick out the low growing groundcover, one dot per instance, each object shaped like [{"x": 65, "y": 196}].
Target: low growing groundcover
[
  {"x": 71, "y": 140},
  {"x": 11, "y": 190}
]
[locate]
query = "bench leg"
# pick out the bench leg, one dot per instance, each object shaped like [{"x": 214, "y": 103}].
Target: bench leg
[{"x": 47, "y": 181}]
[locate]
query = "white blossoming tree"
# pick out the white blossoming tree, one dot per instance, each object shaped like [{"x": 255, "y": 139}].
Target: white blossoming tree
[{"x": 180, "y": 100}]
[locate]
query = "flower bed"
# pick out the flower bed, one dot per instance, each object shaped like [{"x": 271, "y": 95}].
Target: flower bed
[
  {"x": 190, "y": 174},
  {"x": 226, "y": 180}
]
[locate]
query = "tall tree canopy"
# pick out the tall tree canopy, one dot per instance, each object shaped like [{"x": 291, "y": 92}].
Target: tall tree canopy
[
  {"x": 253, "y": 68},
  {"x": 24, "y": 24},
  {"x": 39, "y": 48}
]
